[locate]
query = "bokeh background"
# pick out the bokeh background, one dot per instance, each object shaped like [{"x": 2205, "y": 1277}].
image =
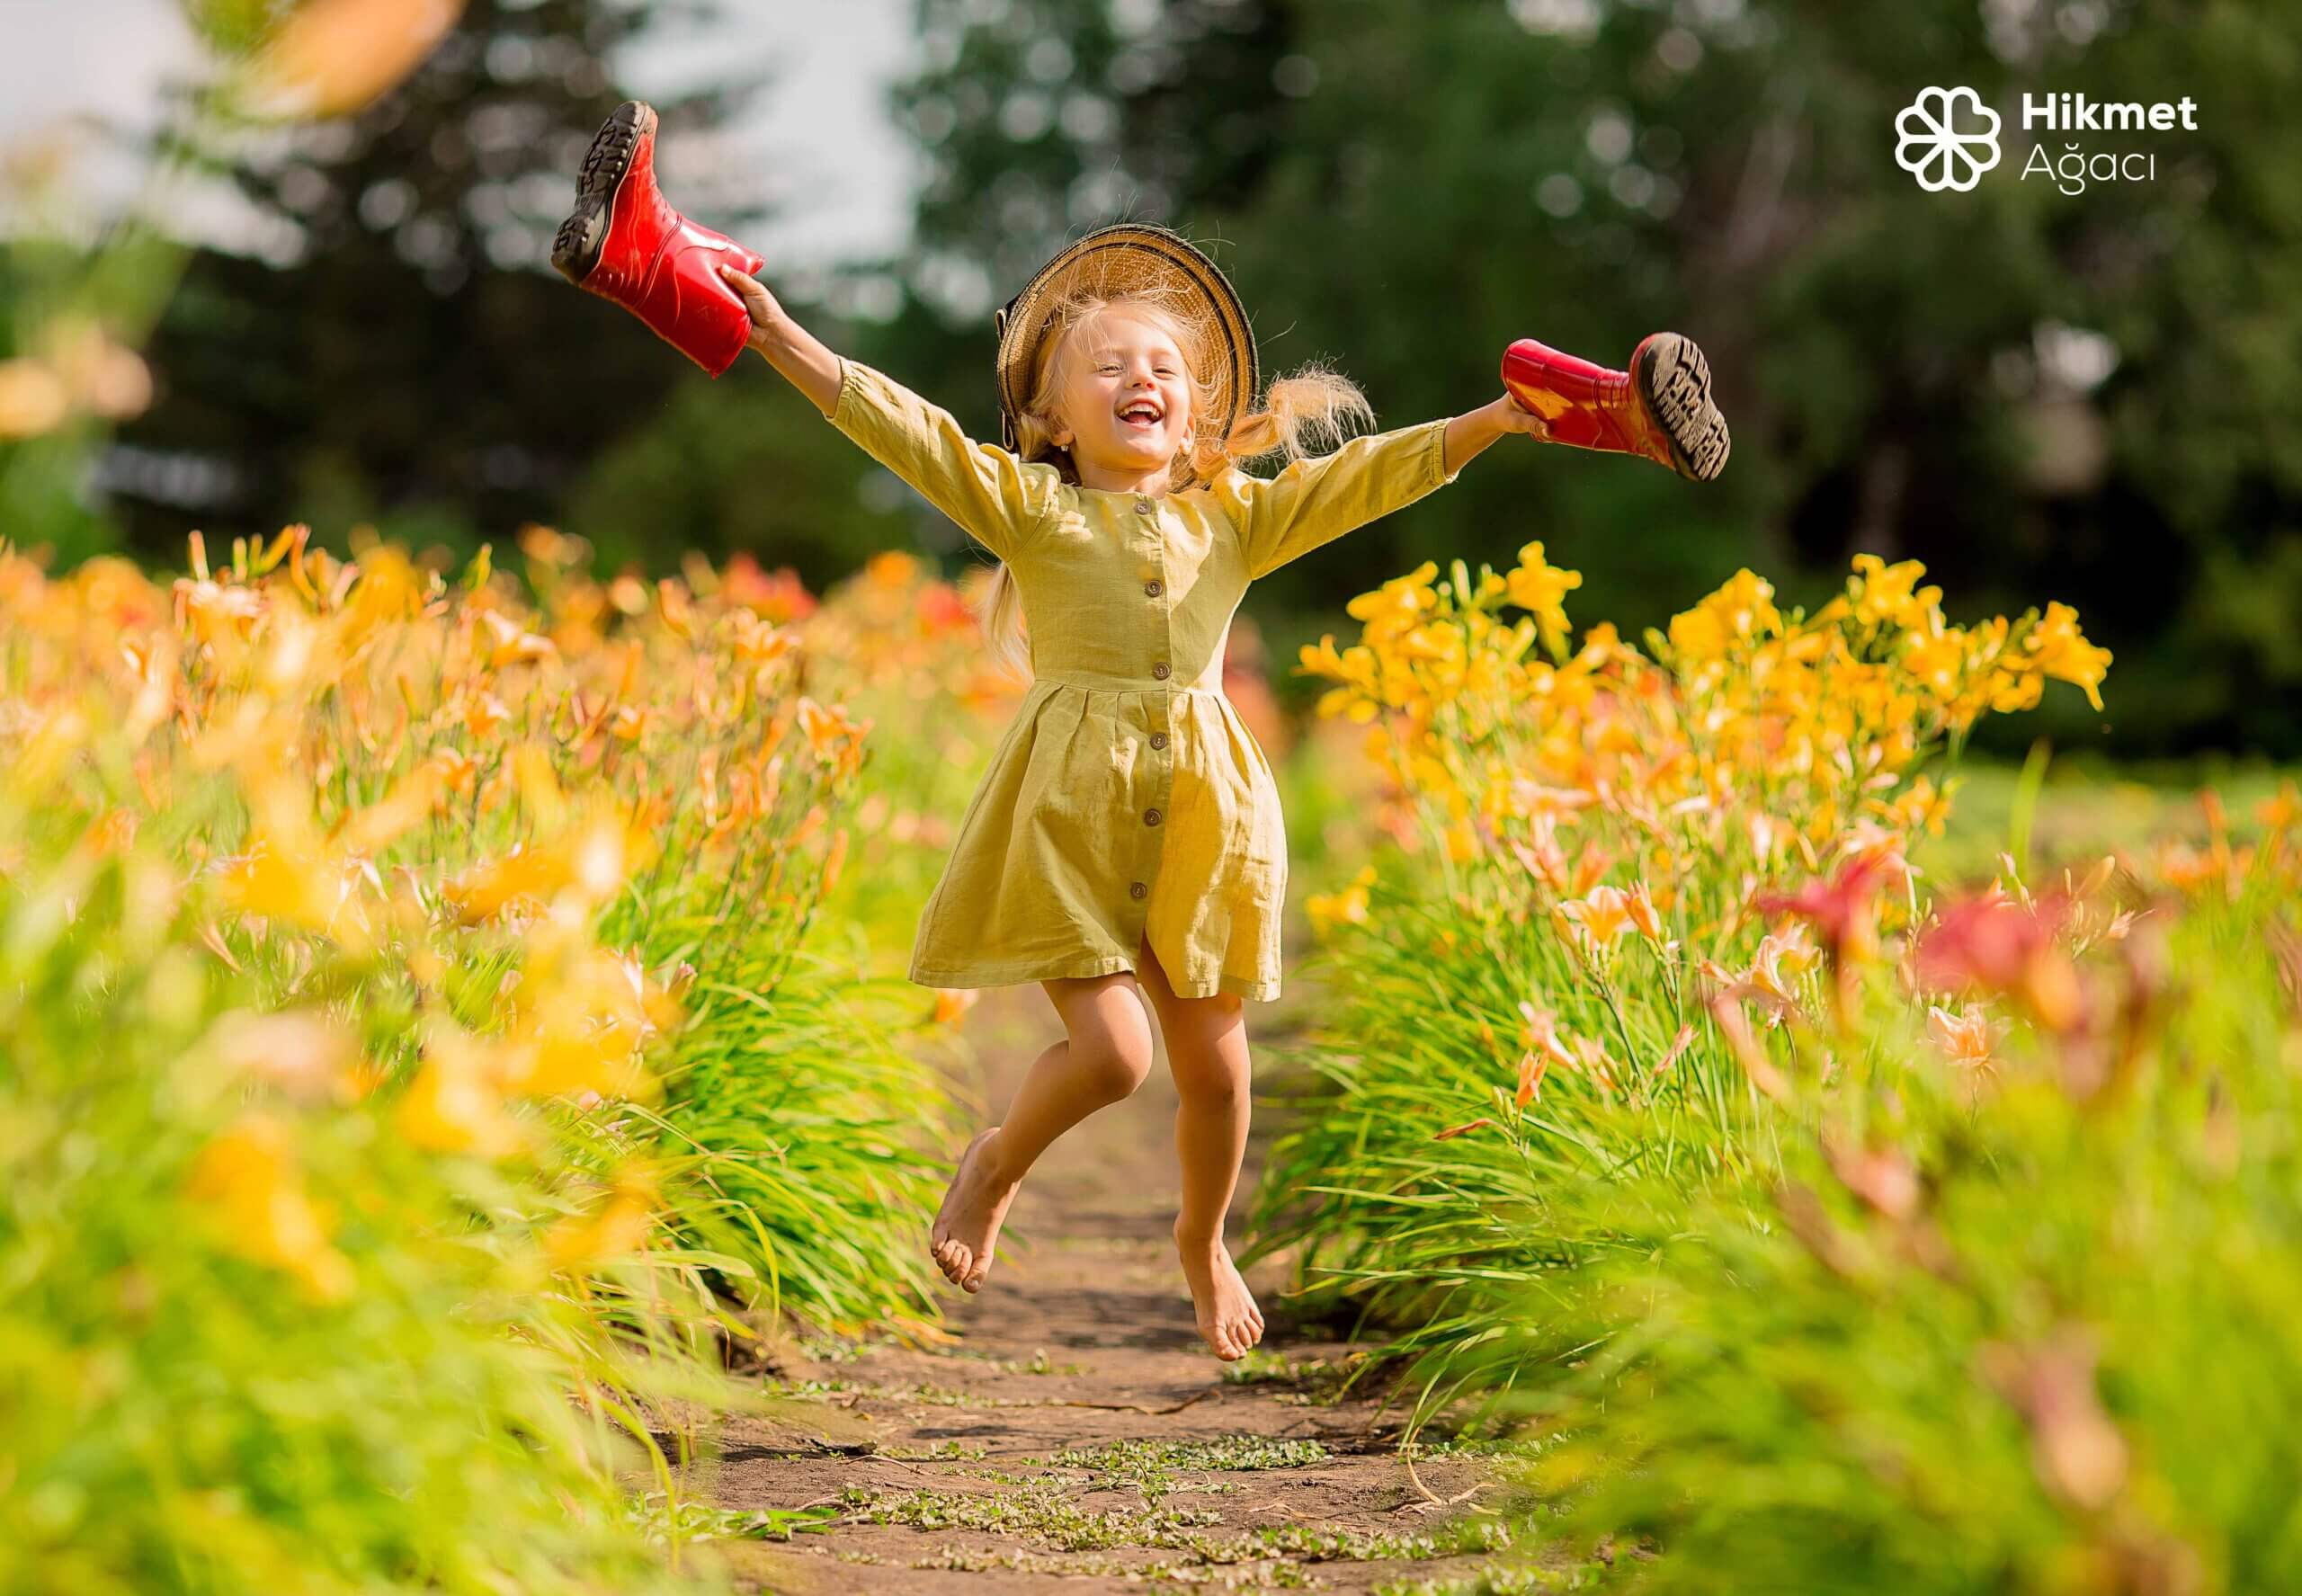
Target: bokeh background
[{"x": 350, "y": 320}]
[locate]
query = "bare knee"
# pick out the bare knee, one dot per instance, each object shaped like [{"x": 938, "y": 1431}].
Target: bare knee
[
  {"x": 1111, "y": 1040},
  {"x": 1208, "y": 1054}
]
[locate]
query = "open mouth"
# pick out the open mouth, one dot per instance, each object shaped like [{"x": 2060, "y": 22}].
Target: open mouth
[{"x": 1142, "y": 416}]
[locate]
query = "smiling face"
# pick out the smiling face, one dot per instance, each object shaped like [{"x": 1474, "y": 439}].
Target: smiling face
[{"x": 1124, "y": 404}]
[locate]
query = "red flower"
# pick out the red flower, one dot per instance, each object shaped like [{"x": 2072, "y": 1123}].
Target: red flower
[{"x": 1993, "y": 944}]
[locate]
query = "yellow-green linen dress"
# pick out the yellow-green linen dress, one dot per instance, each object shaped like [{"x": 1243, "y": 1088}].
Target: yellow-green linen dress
[{"x": 1125, "y": 798}]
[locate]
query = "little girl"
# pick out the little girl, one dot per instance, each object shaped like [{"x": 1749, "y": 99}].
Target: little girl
[{"x": 1126, "y": 846}]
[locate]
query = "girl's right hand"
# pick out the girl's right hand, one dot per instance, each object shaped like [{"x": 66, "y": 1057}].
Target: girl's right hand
[{"x": 765, "y": 313}]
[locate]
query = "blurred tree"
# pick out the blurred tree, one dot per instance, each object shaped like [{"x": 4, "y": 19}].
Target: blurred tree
[
  {"x": 2042, "y": 395},
  {"x": 388, "y": 340}
]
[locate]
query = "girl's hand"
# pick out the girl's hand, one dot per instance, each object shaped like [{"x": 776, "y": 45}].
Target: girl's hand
[
  {"x": 786, "y": 345},
  {"x": 766, "y": 314},
  {"x": 1469, "y": 433},
  {"x": 1514, "y": 417}
]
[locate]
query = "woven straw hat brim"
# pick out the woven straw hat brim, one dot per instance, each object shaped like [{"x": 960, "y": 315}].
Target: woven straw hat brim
[{"x": 1113, "y": 260}]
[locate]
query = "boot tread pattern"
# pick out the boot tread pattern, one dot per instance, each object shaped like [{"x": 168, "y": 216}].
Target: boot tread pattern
[
  {"x": 1674, "y": 379},
  {"x": 575, "y": 248}
]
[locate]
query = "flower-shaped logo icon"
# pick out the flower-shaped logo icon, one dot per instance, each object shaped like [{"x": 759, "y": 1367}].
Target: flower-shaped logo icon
[{"x": 1933, "y": 147}]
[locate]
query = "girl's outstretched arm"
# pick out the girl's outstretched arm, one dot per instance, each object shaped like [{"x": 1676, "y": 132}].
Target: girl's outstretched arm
[
  {"x": 1474, "y": 430},
  {"x": 1317, "y": 500},
  {"x": 1001, "y": 502},
  {"x": 788, "y": 347}
]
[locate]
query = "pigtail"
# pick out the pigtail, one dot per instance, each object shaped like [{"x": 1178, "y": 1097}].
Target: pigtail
[
  {"x": 1002, "y": 620},
  {"x": 1310, "y": 412}
]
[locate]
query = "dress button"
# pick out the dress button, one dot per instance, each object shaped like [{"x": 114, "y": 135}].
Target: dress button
[
  {"x": 1154, "y": 587},
  {"x": 1139, "y": 891},
  {"x": 1161, "y": 670},
  {"x": 1158, "y": 739},
  {"x": 1143, "y": 506},
  {"x": 1152, "y": 816}
]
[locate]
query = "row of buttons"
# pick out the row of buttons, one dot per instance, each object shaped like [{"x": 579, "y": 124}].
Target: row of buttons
[{"x": 1161, "y": 671}]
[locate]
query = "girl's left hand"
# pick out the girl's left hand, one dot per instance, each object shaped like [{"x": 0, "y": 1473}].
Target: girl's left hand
[{"x": 1514, "y": 417}]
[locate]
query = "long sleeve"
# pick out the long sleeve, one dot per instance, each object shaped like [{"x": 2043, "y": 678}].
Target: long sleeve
[
  {"x": 996, "y": 498},
  {"x": 1312, "y": 501}
]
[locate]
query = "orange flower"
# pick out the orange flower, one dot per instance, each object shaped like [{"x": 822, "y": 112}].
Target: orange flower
[
  {"x": 1964, "y": 1037},
  {"x": 2281, "y": 810},
  {"x": 456, "y": 1103},
  {"x": 1639, "y": 904},
  {"x": 249, "y": 1178},
  {"x": 1544, "y": 1048},
  {"x": 1782, "y": 959},
  {"x": 1599, "y": 919},
  {"x": 834, "y": 737},
  {"x": 509, "y": 642},
  {"x": 619, "y": 1227}
]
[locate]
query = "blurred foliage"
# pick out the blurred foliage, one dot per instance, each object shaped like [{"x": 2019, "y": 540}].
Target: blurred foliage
[
  {"x": 2027, "y": 389},
  {"x": 392, "y": 345},
  {"x": 1405, "y": 187}
]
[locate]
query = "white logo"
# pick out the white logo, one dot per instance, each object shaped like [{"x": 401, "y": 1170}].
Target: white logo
[{"x": 1931, "y": 147}]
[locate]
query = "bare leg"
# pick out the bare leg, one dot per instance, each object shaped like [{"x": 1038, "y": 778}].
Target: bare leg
[
  {"x": 1207, "y": 1050},
  {"x": 1105, "y": 1056}
]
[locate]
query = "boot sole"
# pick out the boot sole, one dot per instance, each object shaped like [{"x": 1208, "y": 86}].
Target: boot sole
[
  {"x": 1675, "y": 380},
  {"x": 575, "y": 248}
]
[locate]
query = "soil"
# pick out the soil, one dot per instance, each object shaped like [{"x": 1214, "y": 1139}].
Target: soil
[{"x": 1087, "y": 1438}]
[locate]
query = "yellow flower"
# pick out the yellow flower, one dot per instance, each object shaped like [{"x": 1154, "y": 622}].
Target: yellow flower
[
  {"x": 2057, "y": 648},
  {"x": 1541, "y": 588},
  {"x": 1399, "y": 603},
  {"x": 389, "y": 590},
  {"x": 1884, "y": 595},
  {"x": 1349, "y": 906},
  {"x": 456, "y": 1103},
  {"x": 1742, "y": 611}
]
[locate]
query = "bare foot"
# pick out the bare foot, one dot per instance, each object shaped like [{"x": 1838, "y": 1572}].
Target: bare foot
[
  {"x": 1228, "y": 1318},
  {"x": 966, "y": 1227}
]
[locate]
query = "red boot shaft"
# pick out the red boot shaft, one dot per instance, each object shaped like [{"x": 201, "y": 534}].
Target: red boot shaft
[
  {"x": 625, "y": 242},
  {"x": 1660, "y": 409}
]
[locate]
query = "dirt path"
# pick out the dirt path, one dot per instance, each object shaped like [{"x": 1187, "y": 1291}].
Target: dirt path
[{"x": 1078, "y": 1434}]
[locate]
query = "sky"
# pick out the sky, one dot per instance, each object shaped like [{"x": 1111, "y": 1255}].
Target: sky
[{"x": 830, "y": 162}]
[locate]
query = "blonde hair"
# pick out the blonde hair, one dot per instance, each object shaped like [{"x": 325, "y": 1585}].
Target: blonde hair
[{"x": 1301, "y": 414}]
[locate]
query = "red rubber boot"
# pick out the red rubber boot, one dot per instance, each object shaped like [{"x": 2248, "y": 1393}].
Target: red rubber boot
[
  {"x": 624, "y": 242},
  {"x": 1660, "y": 409}
]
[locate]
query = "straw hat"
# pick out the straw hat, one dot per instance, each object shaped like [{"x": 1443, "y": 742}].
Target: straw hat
[{"x": 1113, "y": 261}]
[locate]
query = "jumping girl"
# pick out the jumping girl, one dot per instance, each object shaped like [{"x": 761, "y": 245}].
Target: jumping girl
[{"x": 1126, "y": 849}]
